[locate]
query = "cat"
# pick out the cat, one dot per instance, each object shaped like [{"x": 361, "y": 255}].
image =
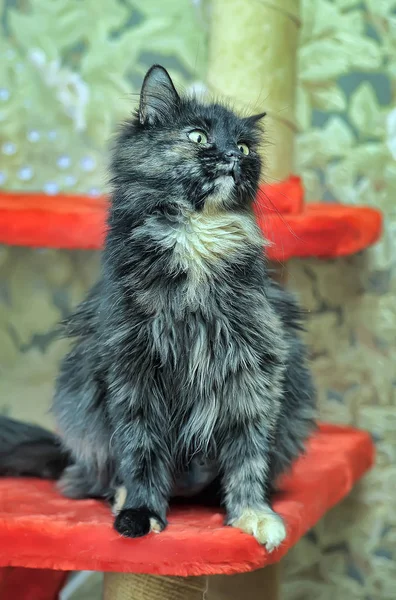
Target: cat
[{"x": 187, "y": 368}]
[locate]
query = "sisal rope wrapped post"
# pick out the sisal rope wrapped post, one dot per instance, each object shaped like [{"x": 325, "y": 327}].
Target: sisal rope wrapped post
[
  {"x": 252, "y": 61},
  {"x": 258, "y": 585},
  {"x": 127, "y": 586}
]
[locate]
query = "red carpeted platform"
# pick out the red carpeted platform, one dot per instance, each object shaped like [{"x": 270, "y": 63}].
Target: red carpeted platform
[
  {"x": 41, "y": 529},
  {"x": 322, "y": 230}
]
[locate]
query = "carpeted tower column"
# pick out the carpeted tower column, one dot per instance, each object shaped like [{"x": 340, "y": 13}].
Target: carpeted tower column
[
  {"x": 252, "y": 62},
  {"x": 257, "y": 585}
]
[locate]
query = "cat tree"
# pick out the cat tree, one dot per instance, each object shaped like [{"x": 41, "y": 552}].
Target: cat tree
[{"x": 253, "y": 45}]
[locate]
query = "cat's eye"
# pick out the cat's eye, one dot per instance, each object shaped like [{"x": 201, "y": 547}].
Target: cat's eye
[
  {"x": 198, "y": 136},
  {"x": 244, "y": 148}
]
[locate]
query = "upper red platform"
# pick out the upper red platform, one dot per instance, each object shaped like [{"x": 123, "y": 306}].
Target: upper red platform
[{"x": 322, "y": 230}]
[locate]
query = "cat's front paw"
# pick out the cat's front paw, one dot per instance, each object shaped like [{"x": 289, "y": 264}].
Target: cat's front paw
[
  {"x": 136, "y": 522},
  {"x": 264, "y": 524}
]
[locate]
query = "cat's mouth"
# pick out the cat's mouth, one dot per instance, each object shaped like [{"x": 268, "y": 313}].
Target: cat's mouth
[{"x": 232, "y": 171}]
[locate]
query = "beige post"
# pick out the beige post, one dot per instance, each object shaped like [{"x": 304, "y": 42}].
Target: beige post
[
  {"x": 258, "y": 585},
  {"x": 252, "y": 61}
]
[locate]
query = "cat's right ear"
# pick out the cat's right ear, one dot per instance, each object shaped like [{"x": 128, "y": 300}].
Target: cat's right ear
[
  {"x": 253, "y": 119},
  {"x": 158, "y": 95}
]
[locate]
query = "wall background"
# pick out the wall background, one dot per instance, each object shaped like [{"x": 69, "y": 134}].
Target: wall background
[{"x": 68, "y": 72}]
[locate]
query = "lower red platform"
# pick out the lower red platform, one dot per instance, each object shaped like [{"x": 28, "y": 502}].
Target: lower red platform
[{"x": 41, "y": 529}]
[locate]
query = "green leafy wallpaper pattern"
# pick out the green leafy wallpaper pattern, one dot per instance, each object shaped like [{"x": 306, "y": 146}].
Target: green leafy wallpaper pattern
[
  {"x": 346, "y": 110},
  {"x": 69, "y": 70}
]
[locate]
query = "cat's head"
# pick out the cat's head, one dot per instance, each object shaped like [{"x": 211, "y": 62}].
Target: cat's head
[{"x": 178, "y": 145}]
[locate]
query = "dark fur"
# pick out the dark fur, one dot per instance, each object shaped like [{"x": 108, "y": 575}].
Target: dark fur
[
  {"x": 186, "y": 366},
  {"x": 30, "y": 451}
]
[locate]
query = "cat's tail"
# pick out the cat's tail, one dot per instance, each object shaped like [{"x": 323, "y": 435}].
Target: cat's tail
[{"x": 30, "y": 451}]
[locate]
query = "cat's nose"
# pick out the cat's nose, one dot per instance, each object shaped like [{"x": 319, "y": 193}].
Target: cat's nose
[{"x": 232, "y": 154}]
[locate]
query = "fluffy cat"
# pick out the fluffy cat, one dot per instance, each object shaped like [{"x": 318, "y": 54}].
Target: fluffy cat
[{"x": 187, "y": 368}]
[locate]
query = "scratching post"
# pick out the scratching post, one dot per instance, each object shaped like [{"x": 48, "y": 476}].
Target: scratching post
[
  {"x": 252, "y": 62},
  {"x": 124, "y": 586},
  {"x": 258, "y": 585}
]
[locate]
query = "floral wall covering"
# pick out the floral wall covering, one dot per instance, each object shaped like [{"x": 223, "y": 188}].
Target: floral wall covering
[
  {"x": 346, "y": 150},
  {"x": 68, "y": 69}
]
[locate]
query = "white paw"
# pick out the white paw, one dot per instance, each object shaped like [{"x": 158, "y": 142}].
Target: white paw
[
  {"x": 264, "y": 524},
  {"x": 119, "y": 499},
  {"x": 155, "y": 526}
]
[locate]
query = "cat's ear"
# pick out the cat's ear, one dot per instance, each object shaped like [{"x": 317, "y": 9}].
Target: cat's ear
[
  {"x": 253, "y": 119},
  {"x": 158, "y": 95}
]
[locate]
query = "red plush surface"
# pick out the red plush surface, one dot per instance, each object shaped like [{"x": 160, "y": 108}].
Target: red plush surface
[
  {"x": 322, "y": 230},
  {"x": 40, "y": 529},
  {"x": 282, "y": 197}
]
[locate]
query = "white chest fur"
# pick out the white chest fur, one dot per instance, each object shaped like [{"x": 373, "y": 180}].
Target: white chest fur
[{"x": 205, "y": 238}]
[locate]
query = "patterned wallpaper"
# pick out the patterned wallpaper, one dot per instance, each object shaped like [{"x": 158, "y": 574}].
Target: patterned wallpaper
[
  {"x": 346, "y": 150},
  {"x": 68, "y": 71}
]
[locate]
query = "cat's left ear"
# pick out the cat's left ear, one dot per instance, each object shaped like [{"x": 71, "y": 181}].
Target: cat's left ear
[
  {"x": 158, "y": 95},
  {"x": 253, "y": 119}
]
